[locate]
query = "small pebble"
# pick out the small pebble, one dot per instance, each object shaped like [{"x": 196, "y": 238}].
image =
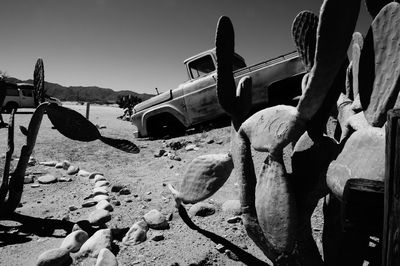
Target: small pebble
[
  {"x": 117, "y": 187},
  {"x": 99, "y": 198},
  {"x": 98, "y": 178},
  {"x": 102, "y": 183},
  {"x": 83, "y": 173},
  {"x": 157, "y": 236},
  {"x": 100, "y": 216},
  {"x": 220, "y": 248},
  {"x": 100, "y": 191},
  {"x": 105, "y": 205},
  {"x": 47, "y": 179},
  {"x": 66, "y": 164},
  {"x": 202, "y": 209},
  {"x": 93, "y": 174},
  {"x": 89, "y": 203},
  {"x": 125, "y": 191},
  {"x": 234, "y": 220},
  {"x": 72, "y": 170},
  {"x": 64, "y": 179},
  {"x": 72, "y": 208},
  {"x": 156, "y": 220}
]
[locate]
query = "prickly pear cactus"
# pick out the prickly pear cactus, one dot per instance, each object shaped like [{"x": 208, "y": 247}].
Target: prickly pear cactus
[
  {"x": 380, "y": 64},
  {"x": 38, "y": 81},
  {"x": 304, "y": 33}
]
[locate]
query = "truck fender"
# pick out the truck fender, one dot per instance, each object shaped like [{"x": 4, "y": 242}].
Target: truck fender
[{"x": 166, "y": 109}]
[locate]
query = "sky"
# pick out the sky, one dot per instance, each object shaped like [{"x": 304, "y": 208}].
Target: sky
[{"x": 138, "y": 45}]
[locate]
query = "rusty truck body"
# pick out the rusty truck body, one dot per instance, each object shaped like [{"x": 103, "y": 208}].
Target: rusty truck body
[{"x": 275, "y": 81}]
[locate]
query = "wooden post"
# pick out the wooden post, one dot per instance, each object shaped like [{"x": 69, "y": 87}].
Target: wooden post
[
  {"x": 87, "y": 110},
  {"x": 391, "y": 222}
]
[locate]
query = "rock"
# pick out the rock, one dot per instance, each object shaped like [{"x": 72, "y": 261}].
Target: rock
[
  {"x": 175, "y": 145},
  {"x": 106, "y": 258},
  {"x": 232, "y": 207},
  {"x": 202, "y": 209},
  {"x": 98, "y": 178},
  {"x": 136, "y": 234},
  {"x": 49, "y": 163},
  {"x": 234, "y": 220},
  {"x": 210, "y": 141},
  {"x": 102, "y": 183},
  {"x": 89, "y": 203},
  {"x": 72, "y": 170},
  {"x": 124, "y": 191},
  {"x": 99, "y": 191},
  {"x": 157, "y": 236},
  {"x": 100, "y": 216},
  {"x": 220, "y": 248},
  {"x": 54, "y": 257},
  {"x": 28, "y": 179},
  {"x": 99, "y": 240},
  {"x": 47, "y": 179},
  {"x": 117, "y": 187},
  {"x": 159, "y": 153},
  {"x": 190, "y": 147},
  {"x": 99, "y": 198},
  {"x": 64, "y": 179},
  {"x": 156, "y": 220},
  {"x": 116, "y": 202},
  {"x": 231, "y": 255},
  {"x": 105, "y": 205},
  {"x": 83, "y": 173},
  {"x": 59, "y": 165},
  {"x": 32, "y": 161},
  {"x": 72, "y": 208},
  {"x": 66, "y": 164},
  {"x": 74, "y": 241},
  {"x": 93, "y": 174},
  {"x": 35, "y": 185}
]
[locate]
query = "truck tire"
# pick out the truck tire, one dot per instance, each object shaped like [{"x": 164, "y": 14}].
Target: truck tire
[
  {"x": 164, "y": 125},
  {"x": 9, "y": 107}
]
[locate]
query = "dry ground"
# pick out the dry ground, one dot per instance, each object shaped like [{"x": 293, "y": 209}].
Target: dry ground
[{"x": 146, "y": 177}]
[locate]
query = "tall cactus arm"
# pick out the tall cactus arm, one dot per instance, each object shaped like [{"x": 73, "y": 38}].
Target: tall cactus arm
[
  {"x": 304, "y": 31},
  {"x": 333, "y": 39},
  {"x": 9, "y": 153},
  {"x": 17, "y": 180},
  {"x": 225, "y": 46},
  {"x": 38, "y": 81}
]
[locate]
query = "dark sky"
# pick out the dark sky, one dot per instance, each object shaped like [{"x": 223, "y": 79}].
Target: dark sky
[{"x": 137, "y": 44}]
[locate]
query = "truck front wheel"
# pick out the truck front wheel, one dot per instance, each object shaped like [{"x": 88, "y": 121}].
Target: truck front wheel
[{"x": 164, "y": 125}]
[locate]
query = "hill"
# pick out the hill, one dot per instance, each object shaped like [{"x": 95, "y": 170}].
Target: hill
[{"x": 92, "y": 94}]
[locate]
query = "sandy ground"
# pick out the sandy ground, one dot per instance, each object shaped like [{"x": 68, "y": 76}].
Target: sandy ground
[{"x": 146, "y": 177}]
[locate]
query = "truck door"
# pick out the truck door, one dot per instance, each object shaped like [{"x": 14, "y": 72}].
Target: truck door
[
  {"x": 26, "y": 97},
  {"x": 200, "y": 92}
]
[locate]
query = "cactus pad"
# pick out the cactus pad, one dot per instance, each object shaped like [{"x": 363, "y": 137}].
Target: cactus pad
[
  {"x": 204, "y": 176},
  {"x": 333, "y": 39},
  {"x": 225, "y": 47},
  {"x": 363, "y": 156},
  {"x": 304, "y": 33},
  {"x": 379, "y": 68},
  {"x": 38, "y": 81},
  {"x": 72, "y": 124}
]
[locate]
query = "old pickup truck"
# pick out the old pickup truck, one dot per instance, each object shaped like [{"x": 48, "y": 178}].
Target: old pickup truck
[{"x": 275, "y": 81}]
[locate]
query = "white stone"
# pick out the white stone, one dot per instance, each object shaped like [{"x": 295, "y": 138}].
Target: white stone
[
  {"x": 74, "y": 240},
  {"x": 99, "y": 240}
]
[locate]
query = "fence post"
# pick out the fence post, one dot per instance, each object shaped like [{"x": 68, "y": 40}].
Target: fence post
[
  {"x": 87, "y": 110},
  {"x": 391, "y": 222}
]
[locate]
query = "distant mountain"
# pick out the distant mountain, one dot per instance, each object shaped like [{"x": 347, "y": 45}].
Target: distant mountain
[{"x": 91, "y": 94}]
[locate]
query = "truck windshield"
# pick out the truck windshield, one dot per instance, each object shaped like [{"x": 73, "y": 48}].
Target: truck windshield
[{"x": 201, "y": 66}]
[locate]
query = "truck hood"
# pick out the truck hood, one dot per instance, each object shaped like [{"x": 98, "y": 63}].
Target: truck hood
[{"x": 163, "y": 97}]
